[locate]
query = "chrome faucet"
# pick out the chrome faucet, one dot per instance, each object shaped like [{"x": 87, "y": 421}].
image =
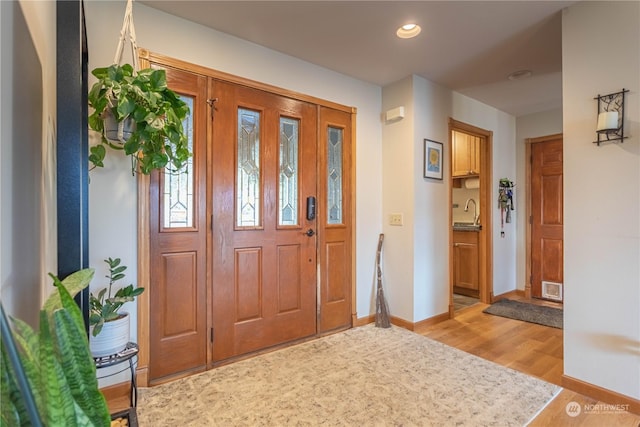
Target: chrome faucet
[{"x": 475, "y": 210}]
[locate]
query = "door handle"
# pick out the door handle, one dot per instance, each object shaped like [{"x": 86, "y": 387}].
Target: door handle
[{"x": 310, "y": 232}]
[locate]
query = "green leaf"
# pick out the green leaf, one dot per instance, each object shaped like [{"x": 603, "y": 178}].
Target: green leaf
[
  {"x": 118, "y": 269},
  {"x": 98, "y": 327},
  {"x": 56, "y": 396},
  {"x": 13, "y": 407},
  {"x": 26, "y": 338},
  {"x": 79, "y": 369},
  {"x": 158, "y": 80},
  {"x": 74, "y": 283},
  {"x": 97, "y": 154}
]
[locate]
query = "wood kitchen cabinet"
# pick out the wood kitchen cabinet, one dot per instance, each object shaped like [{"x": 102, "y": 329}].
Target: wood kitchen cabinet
[
  {"x": 465, "y": 155},
  {"x": 466, "y": 273}
]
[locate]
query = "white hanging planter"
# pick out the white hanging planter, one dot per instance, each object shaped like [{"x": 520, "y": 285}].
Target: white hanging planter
[{"x": 112, "y": 339}]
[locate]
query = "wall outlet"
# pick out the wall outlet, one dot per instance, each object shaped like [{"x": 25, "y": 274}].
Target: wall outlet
[{"x": 395, "y": 219}]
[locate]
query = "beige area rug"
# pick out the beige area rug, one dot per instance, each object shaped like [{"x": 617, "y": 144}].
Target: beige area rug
[{"x": 365, "y": 376}]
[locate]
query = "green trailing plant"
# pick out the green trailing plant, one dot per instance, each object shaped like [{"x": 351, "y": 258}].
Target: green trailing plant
[
  {"x": 158, "y": 138},
  {"x": 56, "y": 360},
  {"x": 104, "y": 307}
]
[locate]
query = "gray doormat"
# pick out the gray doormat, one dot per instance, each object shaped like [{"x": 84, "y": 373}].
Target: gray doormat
[{"x": 542, "y": 315}]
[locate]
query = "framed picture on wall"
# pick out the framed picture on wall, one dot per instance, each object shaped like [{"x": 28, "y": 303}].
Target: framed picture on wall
[{"x": 432, "y": 159}]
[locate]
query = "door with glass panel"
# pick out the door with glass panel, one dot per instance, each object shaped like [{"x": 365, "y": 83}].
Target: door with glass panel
[
  {"x": 264, "y": 220},
  {"x": 177, "y": 247},
  {"x": 335, "y": 220}
]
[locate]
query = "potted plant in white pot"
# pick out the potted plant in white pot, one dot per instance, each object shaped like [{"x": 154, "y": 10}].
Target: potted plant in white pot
[
  {"x": 109, "y": 326},
  {"x": 137, "y": 112}
]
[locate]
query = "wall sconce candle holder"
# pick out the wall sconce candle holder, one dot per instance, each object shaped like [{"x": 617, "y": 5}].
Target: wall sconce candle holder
[{"x": 610, "y": 126}]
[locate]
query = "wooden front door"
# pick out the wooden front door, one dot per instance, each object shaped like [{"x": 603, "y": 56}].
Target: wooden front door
[
  {"x": 546, "y": 215},
  {"x": 235, "y": 260},
  {"x": 264, "y": 230},
  {"x": 178, "y": 228}
]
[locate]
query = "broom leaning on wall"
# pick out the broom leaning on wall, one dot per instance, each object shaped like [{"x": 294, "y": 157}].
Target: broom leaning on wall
[{"x": 382, "y": 309}]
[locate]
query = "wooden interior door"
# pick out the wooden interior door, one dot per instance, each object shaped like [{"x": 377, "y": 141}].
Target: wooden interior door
[
  {"x": 546, "y": 215},
  {"x": 335, "y": 220},
  {"x": 178, "y": 228},
  {"x": 264, "y": 241}
]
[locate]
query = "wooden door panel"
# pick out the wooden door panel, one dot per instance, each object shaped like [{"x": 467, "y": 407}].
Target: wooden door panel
[
  {"x": 551, "y": 252},
  {"x": 335, "y": 222},
  {"x": 178, "y": 274},
  {"x": 248, "y": 284},
  {"x": 551, "y": 199},
  {"x": 179, "y": 293},
  {"x": 264, "y": 268},
  {"x": 335, "y": 272},
  {"x": 546, "y": 215},
  {"x": 289, "y": 280}
]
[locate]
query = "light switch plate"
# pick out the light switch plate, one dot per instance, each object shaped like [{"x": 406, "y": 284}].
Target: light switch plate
[{"x": 395, "y": 219}]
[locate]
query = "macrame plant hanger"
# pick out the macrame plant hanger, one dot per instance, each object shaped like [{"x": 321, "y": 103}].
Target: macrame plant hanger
[
  {"x": 128, "y": 29},
  {"x": 128, "y": 32}
]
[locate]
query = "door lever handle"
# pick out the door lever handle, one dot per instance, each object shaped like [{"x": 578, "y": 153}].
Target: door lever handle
[{"x": 310, "y": 232}]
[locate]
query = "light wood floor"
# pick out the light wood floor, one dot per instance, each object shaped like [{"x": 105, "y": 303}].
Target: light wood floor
[{"x": 526, "y": 347}]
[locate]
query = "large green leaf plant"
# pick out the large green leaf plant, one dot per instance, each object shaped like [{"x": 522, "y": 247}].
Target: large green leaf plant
[
  {"x": 57, "y": 363},
  {"x": 158, "y": 139}
]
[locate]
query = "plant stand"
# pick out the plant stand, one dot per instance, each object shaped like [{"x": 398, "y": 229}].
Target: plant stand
[{"x": 126, "y": 355}]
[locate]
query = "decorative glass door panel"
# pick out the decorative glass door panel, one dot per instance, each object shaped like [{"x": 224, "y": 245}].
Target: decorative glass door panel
[
  {"x": 248, "y": 169},
  {"x": 178, "y": 208},
  {"x": 334, "y": 175},
  {"x": 288, "y": 167}
]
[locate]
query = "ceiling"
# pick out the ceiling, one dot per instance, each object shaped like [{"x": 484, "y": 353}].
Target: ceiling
[{"x": 468, "y": 46}]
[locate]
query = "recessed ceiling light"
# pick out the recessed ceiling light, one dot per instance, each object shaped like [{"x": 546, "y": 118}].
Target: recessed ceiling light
[
  {"x": 519, "y": 75},
  {"x": 408, "y": 31}
]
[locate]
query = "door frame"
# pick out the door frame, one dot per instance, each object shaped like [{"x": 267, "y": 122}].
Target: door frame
[
  {"x": 148, "y": 58},
  {"x": 485, "y": 242},
  {"x": 528, "y": 213}
]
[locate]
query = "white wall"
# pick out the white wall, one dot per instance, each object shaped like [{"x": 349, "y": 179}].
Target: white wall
[
  {"x": 503, "y": 126},
  {"x": 417, "y": 255},
  {"x": 602, "y": 198},
  {"x": 529, "y": 126},
  {"x": 397, "y": 189},
  {"x": 433, "y": 104},
  {"x": 112, "y": 192},
  {"x": 27, "y": 155}
]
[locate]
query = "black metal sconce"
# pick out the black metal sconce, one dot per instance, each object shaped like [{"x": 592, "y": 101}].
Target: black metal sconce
[{"x": 611, "y": 117}]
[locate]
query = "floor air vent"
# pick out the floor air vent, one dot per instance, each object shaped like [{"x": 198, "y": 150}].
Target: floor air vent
[{"x": 552, "y": 290}]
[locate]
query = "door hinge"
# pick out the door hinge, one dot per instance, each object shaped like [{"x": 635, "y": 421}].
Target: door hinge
[
  {"x": 211, "y": 337},
  {"x": 211, "y": 222},
  {"x": 530, "y": 219},
  {"x": 530, "y": 282}
]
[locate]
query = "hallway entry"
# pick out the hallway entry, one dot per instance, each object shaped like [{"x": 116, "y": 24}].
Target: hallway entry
[
  {"x": 470, "y": 225},
  {"x": 250, "y": 246}
]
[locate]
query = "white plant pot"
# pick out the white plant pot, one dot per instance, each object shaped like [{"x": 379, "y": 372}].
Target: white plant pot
[{"x": 112, "y": 339}]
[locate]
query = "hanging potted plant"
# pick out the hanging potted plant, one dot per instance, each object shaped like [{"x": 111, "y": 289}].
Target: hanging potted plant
[
  {"x": 109, "y": 326},
  {"x": 137, "y": 112}
]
